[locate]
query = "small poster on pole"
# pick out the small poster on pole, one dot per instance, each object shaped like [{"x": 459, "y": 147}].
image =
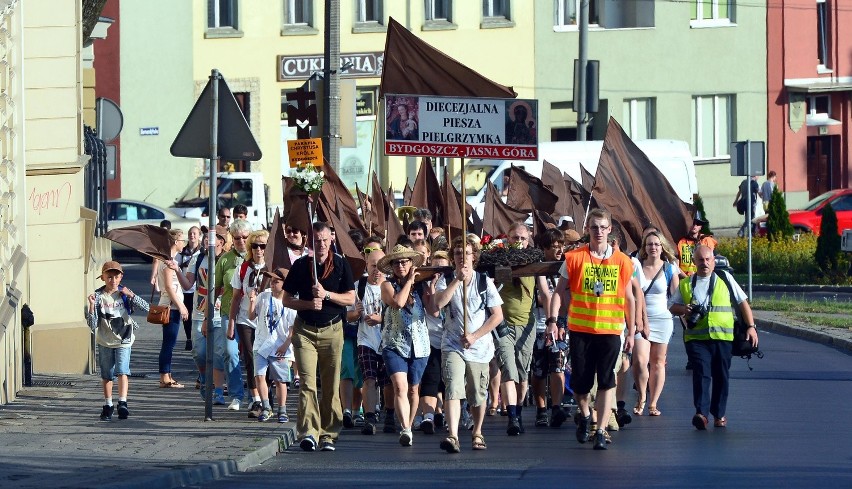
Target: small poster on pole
[{"x": 305, "y": 152}]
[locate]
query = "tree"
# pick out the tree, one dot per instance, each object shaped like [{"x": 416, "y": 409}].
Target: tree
[
  {"x": 827, "y": 253},
  {"x": 778, "y": 222},
  {"x": 699, "y": 206}
]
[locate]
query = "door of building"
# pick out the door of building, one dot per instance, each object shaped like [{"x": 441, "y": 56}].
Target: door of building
[{"x": 821, "y": 164}]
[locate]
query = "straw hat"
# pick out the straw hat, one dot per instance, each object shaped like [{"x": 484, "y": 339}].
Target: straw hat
[{"x": 399, "y": 252}]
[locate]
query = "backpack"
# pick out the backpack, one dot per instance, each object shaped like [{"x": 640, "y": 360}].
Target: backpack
[
  {"x": 501, "y": 329},
  {"x": 741, "y": 347}
]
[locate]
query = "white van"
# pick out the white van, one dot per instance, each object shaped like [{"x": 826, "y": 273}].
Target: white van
[{"x": 672, "y": 158}]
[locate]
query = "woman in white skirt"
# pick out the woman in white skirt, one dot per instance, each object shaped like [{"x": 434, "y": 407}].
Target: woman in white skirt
[{"x": 659, "y": 279}]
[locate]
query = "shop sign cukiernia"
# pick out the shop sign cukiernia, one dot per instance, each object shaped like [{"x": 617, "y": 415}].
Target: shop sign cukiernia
[{"x": 302, "y": 67}]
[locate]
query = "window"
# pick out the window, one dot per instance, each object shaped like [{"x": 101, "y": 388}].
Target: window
[
  {"x": 842, "y": 204},
  {"x": 567, "y": 12},
  {"x": 712, "y": 125},
  {"x": 638, "y": 120},
  {"x": 369, "y": 11},
  {"x": 298, "y": 12},
  {"x": 439, "y": 10},
  {"x": 222, "y": 13},
  {"x": 495, "y": 8},
  {"x": 818, "y": 110},
  {"x": 822, "y": 34},
  {"x": 712, "y": 13}
]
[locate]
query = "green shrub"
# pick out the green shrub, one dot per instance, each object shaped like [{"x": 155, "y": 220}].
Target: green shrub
[
  {"x": 827, "y": 254},
  {"x": 778, "y": 222}
]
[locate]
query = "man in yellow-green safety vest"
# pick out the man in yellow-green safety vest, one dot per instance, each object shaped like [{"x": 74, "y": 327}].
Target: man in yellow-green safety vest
[{"x": 704, "y": 301}]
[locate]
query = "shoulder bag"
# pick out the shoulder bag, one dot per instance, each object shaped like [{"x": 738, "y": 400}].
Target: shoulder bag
[{"x": 158, "y": 314}]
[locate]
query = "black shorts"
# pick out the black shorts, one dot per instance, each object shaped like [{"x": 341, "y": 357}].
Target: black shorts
[
  {"x": 432, "y": 383},
  {"x": 372, "y": 366},
  {"x": 593, "y": 354},
  {"x": 544, "y": 360}
]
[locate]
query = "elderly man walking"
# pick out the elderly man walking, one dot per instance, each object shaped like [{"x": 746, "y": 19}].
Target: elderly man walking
[{"x": 705, "y": 302}]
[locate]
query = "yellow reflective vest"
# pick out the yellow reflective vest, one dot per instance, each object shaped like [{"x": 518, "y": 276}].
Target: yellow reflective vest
[{"x": 718, "y": 324}]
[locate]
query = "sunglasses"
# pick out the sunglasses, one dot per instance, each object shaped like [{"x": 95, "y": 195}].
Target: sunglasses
[
  {"x": 258, "y": 246},
  {"x": 240, "y": 238},
  {"x": 367, "y": 251},
  {"x": 402, "y": 261},
  {"x": 291, "y": 231}
]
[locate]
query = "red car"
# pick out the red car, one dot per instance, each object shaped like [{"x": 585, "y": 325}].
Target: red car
[{"x": 808, "y": 219}]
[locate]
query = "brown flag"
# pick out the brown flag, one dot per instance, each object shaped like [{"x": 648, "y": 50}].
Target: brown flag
[
  {"x": 144, "y": 238},
  {"x": 452, "y": 218},
  {"x": 636, "y": 192},
  {"x": 527, "y": 192},
  {"x": 340, "y": 199},
  {"x": 295, "y": 212},
  {"x": 498, "y": 216},
  {"x": 579, "y": 199},
  {"x": 414, "y": 67},
  {"x": 406, "y": 194},
  {"x": 392, "y": 224},
  {"x": 542, "y": 221},
  {"x": 276, "y": 255},
  {"x": 380, "y": 208},
  {"x": 345, "y": 245},
  {"x": 363, "y": 204},
  {"x": 427, "y": 192},
  {"x": 553, "y": 179}
]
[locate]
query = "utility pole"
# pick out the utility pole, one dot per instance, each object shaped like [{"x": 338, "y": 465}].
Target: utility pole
[
  {"x": 580, "y": 101},
  {"x": 331, "y": 84}
]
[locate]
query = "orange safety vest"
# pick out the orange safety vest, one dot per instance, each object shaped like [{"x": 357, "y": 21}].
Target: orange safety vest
[
  {"x": 686, "y": 246},
  {"x": 591, "y": 313}
]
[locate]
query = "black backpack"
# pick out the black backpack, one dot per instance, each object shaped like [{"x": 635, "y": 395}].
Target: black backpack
[{"x": 740, "y": 347}]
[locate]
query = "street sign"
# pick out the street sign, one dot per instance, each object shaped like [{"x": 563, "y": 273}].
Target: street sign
[
  {"x": 748, "y": 158},
  {"x": 234, "y": 138},
  {"x": 305, "y": 151},
  {"x": 110, "y": 120}
]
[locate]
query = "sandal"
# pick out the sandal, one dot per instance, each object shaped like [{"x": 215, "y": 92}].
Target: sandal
[
  {"x": 653, "y": 411},
  {"x": 491, "y": 411},
  {"x": 170, "y": 385},
  {"x": 478, "y": 442},
  {"x": 450, "y": 444},
  {"x": 640, "y": 406}
]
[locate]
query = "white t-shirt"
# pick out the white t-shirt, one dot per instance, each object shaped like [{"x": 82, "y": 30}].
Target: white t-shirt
[
  {"x": 482, "y": 351},
  {"x": 699, "y": 292},
  {"x": 273, "y": 325},
  {"x": 250, "y": 281},
  {"x": 370, "y": 336},
  {"x": 112, "y": 305}
]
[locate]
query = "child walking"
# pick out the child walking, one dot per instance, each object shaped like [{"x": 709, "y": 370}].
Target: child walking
[
  {"x": 273, "y": 350},
  {"x": 109, "y": 318}
]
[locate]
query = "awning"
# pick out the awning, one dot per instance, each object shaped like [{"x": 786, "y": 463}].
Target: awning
[{"x": 819, "y": 87}]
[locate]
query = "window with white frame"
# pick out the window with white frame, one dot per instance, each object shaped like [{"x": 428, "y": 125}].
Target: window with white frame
[
  {"x": 638, "y": 121},
  {"x": 298, "y": 12},
  {"x": 567, "y": 12},
  {"x": 712, "y": 12},
  {"x": 369, "y": 11},
  {"x": 439, "y": 10},
  {"x": 712, "y": 125},
  {"x": 823, "y": 37},
  {"x": 818, "y": 109},
  {"x": 222, "y": 14},
  {"x": 495, "y": 9}
]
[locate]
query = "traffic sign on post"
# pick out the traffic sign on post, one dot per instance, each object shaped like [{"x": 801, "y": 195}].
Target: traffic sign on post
[{"x": 748, "y": 158}]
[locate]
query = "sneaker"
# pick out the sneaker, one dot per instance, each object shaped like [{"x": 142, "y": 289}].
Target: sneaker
[
  {"x": 390, "y": 424},
  {"x": 358, "y": 420},
  {"x": 123, "y": 412},
  {"x": 428, "y": 426},
  {"x": 622, "y": 417},
  {"x": 439, "y": 420},
  {"x": 188, "y": 345},
  {"x": 612, "y": 424},
  {"x": 265, "y": 415},
  {"x": 308, "y": 444},
  {"x": 235, "y": 405},
  {"x": 327, "y": 445},
  {"x": 255, "y": 409},
  {"x": 466, "y": 420},
  {"x": 283, "y": 418},
  {"x": 347, "y": 419},
  {"x": 557, "y": 418},
  {"x": 370, "y": 423},
  {"x": 717, "y": 422},
  {"x": 406, "y": 438},
  {"x": 600, "y": 440},
  {"x": 583, "y": 423},
  {"x": 106, "y": 413},
  {"x": 700, "y": 422},
  {"x": 296, "y": 383},
  {"x": 542, "y": 419},
  {"x": 521, "y": 424},
  {"x": 219, "y": 400},
  {"x": 418, "y": 420},
  {"x": 514, "y": 428}
]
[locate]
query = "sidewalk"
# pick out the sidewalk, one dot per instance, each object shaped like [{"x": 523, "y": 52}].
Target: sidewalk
[{"x": 52, "y": 435}]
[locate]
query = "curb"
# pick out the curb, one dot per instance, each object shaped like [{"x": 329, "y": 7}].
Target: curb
[
  {"x": 208, "y": 472},
  {"x": 805, "y": 334}
]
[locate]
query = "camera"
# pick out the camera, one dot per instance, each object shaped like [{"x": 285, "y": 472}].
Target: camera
[{"x": 696, "y": 313}]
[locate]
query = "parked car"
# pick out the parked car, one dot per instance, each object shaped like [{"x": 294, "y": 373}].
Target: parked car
[
  {"x": 123, "y": 213},
  {"x": 809, "y": 218}
]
